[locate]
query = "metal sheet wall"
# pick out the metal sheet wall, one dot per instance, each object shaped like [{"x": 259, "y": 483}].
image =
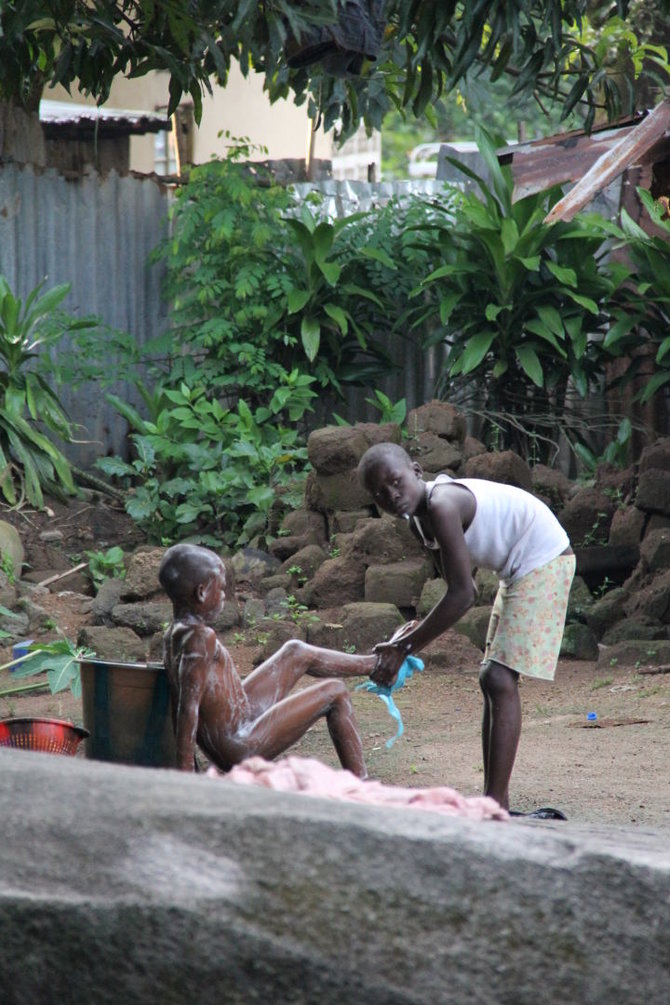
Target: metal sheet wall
[{"x": 96, "y": 233}]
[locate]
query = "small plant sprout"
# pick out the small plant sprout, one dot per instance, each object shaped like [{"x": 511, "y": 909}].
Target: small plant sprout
[{"x": 106, "y": 565}]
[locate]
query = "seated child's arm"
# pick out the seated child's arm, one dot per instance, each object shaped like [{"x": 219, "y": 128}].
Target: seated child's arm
[{"x": 195, "y": 661}]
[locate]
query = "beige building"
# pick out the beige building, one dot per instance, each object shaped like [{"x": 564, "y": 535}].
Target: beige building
[{"x": 241, "y": 110}]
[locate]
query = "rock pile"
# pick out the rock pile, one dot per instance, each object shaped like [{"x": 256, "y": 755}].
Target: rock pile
[{"x": 338, "y": 552}]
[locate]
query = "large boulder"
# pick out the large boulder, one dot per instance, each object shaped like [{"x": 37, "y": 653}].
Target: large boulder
[{"x": 125, "y": 885}]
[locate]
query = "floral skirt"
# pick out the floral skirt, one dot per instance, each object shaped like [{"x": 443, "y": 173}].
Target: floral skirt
[{"x": 528, "y": 619}]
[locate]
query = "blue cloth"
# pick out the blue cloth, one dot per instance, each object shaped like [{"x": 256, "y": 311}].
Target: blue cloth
[{"x": 407, "y": 669}]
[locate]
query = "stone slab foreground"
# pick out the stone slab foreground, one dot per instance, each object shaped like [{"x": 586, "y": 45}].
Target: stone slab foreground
[{"x": 130, "y": 885}]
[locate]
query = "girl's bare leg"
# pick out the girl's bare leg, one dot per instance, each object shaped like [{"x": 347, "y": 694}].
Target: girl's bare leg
[
  {"x": 287, "y": 721},
  {"x": 501, "y": 728},
  {"x": 273, "y": 679}
]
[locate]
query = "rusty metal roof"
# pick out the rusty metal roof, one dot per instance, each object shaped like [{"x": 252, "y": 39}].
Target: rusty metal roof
[
  {"x": 67, "y": 120},
  {"x": 590, "y": 161}
]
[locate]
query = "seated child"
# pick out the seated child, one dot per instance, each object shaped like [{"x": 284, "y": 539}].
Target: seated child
[{"x": 233, "y": 719}]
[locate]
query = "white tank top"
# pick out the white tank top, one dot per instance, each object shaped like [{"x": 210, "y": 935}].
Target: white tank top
[{"x": 512, "y": 531}]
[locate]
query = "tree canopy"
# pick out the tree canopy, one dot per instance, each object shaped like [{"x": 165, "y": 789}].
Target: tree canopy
[{"x": 579, "y": 51}]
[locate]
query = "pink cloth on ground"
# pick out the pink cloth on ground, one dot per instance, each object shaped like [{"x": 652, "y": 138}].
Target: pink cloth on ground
[{"x": 308, "y": 776}]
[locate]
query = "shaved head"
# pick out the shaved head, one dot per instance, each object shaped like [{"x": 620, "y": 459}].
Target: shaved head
[
  {"x": 381, "y": 453},
  {"x": 184, "y": 567}
]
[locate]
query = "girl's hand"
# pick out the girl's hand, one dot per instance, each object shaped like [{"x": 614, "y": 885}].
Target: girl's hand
[{"x": 389, "y": 660}]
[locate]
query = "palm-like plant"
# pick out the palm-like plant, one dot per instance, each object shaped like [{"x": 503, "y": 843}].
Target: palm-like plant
[{"x": 29, "y": 462}]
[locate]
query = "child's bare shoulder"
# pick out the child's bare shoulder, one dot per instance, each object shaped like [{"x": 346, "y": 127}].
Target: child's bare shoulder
[{"x": 189, "y": 634}]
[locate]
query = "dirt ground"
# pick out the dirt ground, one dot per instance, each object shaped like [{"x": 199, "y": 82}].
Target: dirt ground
[{"x": 613, "y": 769}]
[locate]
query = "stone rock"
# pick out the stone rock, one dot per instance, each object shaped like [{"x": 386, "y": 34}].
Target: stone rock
[
  {"x": 366, "y": 624},
  {"x": 252, "y": 564},
  {"x": 338, "y": 581},
  {"x": 487, "y": 583},
  {"x": 230, "y": 616},
  {"x": 587, "y": 516},
  {"x": 579, "y": 601},
  {"x": 579, "y": 643},
  {"x": 329, "y": 493},
  {"x": 276, "y": 602},
  {"x": 253, "y": 612},
  {"x": 299, "y": 528},
  {"x": 143, "y": 618},
  {"x": 8, "y": 590},
  {"x": 638, "y": 652},
  {"x": 120, "y": 645},
  {"x": 432, "y": 591},
  {"x": 12, "y": 554},
  {"x": 267, "y": 880},
  {"x": 474, "y": 625},
  {"x": 452, "y": 652},
  {"x": 639, "y": 628},
  {"x": 627, "y": 526},
  {"x": 273, "y": 635},
  {"x": 472, "y": 447},
  {"x": 39, "y": 619},
  {"x": 653, "y": 599},
  {"x": 616, "y": 482},
  {"x": 16, "y": 626},
  {"x": 607, "y": 611},
  {"x": 383, "y": 432},
  {"x": 399, "y": 583},
  {"x": 653, "y": 491},
  {"x": 334, "y": 449},
  {"x": 327, "y": 634},
  {"x": 105, "y": 600},
  {"x": 438, "y": 417},
  {"x": 141, "y": 581},
  {"x": 655, "y": 551},
  {"x": 551, "y": 485},
  {"x": 434, "y": 453},
  {"x": 656, "y": 456},
  {"x": 307, "y": 559},
  {"x": 504, "y": 466},
  {"x": 382, "y": 541},
  {"x": 345, "y": 523},
  {"x": 280, "y": 580}
]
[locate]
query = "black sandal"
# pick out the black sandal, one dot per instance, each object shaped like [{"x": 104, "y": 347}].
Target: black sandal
[{"x": 544, "y": 813}]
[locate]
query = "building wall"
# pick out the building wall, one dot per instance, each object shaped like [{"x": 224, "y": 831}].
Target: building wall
[{"x": 241, "y": 109}]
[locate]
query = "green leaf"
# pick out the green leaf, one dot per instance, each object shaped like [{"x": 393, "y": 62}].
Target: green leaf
[
  {"x": 563, "y": 274},
  {"x": 475, "y": 351},
  {"x": 310, "y": 333},
  {"x": 530, "y": 364},
  {"x": 297, "y": 300}
]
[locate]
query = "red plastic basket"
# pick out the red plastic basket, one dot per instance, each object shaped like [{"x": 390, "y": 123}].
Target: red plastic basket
[{"x": 52, "y": 736}]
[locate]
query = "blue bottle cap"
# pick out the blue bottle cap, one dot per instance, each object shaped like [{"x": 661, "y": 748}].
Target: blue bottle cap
[{"x": 592, "y": 716}]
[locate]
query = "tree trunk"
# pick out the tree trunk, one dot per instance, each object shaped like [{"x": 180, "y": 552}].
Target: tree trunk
[{"x": 21, "y": 135}]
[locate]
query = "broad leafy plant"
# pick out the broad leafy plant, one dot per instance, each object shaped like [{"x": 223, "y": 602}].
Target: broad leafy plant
[
  {"x": 641, "y": 313},
  {"x": 210, "y": 472},
  {"x": 520, "y": 306},
  {"x": 30, "y": 463}
]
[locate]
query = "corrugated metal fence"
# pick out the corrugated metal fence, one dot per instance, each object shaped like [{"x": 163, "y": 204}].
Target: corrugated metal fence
[{"x": 95, "y": 233}]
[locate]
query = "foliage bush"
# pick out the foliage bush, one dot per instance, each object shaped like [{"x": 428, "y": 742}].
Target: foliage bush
[
  {"x": 208, "y": 472},
  {"x": 259, "y": 287}
]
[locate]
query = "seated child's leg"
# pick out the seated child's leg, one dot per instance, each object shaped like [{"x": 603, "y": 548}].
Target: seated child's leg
[
  {"x": 287, "y": 721},
  {"x": 274, "y": 678}
]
